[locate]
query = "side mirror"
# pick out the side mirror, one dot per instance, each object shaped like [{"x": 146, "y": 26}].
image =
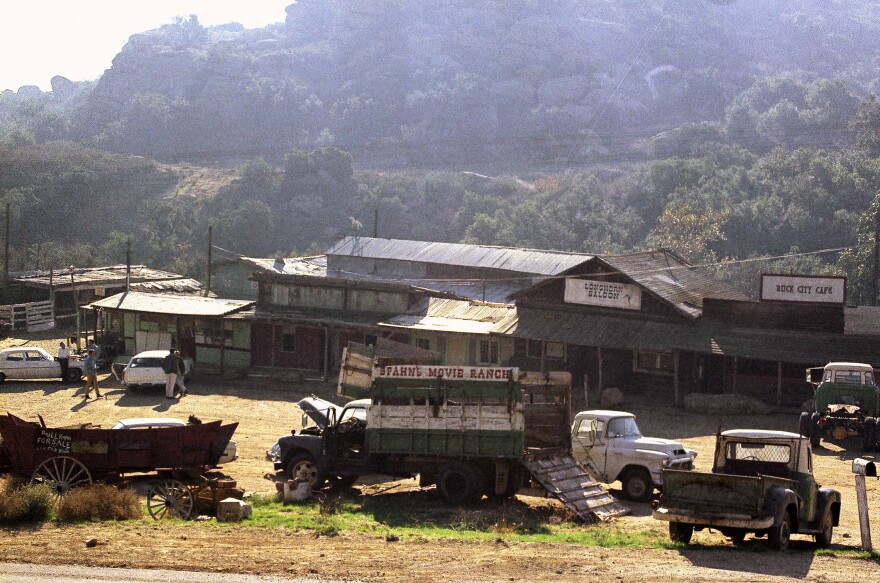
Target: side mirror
[{"x": 863, "y": 467}]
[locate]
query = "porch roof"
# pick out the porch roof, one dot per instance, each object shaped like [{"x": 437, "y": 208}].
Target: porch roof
[{"x": 170, "y": 304}]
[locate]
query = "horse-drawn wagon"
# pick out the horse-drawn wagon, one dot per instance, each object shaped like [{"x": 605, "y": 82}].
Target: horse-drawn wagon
[{"x": 66, "y": 457}]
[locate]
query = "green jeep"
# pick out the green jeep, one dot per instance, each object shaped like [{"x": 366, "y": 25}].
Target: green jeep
[{"x": 846, "y": 404}]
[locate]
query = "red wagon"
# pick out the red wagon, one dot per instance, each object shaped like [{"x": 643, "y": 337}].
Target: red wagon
[{"x": 65, "y": 457}]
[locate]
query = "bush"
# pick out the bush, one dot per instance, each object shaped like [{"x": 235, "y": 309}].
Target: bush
[
  {"x": 99, "y": 502},
  {"x": 25, "y": 503}
]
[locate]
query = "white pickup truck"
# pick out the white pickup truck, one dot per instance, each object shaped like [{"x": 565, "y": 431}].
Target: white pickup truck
[{"x": 611, "y": 447}]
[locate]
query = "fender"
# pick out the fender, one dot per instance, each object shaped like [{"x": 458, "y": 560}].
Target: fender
[
  {"x": 778, "y": 501},
  {"x": 827, "y": 497},
  {"x": 313, "y": 444}
]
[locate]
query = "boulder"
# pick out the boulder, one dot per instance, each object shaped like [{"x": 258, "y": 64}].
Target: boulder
[
  {"x": 611, "y": 398},
  {"x": 231, "y": 510}
]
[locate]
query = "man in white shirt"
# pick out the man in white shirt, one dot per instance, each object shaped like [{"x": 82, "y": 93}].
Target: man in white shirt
[{"x": 64, "y": 360}]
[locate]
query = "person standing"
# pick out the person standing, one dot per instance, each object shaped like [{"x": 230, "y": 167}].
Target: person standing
[
  {"x": 169, "y": 367},
  {"x": 90, "y": 367},
  {"x": 92, "y": 346},
  {"x": 63, "y": 360},
  {"x": 181, "y": 372}
]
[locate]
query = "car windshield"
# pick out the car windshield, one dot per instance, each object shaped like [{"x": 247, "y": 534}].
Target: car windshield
[
  {"x": 623, "y": 427},
  {"x": 144, "y": 362}
]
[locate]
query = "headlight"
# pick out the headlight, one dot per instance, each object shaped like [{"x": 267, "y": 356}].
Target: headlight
[{"x": 667, "y": 461}]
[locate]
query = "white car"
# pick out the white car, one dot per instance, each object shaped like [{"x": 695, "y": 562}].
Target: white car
[
  {"x": 28, "y": 362},
  {"x": 230, "y": 454},
  {"x": 145, "y": 370},
  {"x": 611, "y": 447}
]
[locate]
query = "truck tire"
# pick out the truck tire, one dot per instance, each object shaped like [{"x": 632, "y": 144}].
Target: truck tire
[
  {"x": 869, "y": 434},
  {"x": 823, "y": 538},
  {"x": 460, "y": 483},
  {"x": 302, "y": 467},
  {"x": 815, "y": 430},
  {"x": 780, "y": 534},
  {"x": 805, "y": 425},
  {"x": 680, "y": 533},
  {"x": 637, "y": 484}
]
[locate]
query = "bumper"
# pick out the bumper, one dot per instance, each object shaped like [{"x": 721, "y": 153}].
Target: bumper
[{"x": 743, "y": 521}]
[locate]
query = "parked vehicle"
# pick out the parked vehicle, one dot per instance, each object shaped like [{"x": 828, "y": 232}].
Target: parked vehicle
[
  {"x": 145, "y": 370},
  {"x": 29, "y": 363},
  {"x": 762, "y": 482},
  {"x": 846, "y": 403},
  {"x": 472, "y": 431},
  {"x": 230, "y": 453},
  {"x": 610, "y": 445}
]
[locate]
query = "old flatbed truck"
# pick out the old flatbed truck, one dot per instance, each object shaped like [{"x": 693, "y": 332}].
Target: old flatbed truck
[
  {"x": 846, "y": 403},
  {"x": 472, "y": 431},
  {"x": 761, "y": 482}
]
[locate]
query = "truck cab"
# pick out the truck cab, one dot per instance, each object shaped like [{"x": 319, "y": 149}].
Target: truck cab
[{"x": 610, "y": 445}]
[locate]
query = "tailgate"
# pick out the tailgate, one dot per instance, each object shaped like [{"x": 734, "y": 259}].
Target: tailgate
[{"x": 700, "y": 491}]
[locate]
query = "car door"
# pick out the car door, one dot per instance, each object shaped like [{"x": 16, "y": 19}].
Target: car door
[
  {"x": 41, "y": 366},
  {"x": 588, "y": 446},
  {"x": 14, "y": 364}
]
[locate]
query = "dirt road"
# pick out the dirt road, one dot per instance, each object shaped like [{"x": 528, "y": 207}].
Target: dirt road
[{"x": 266, "y": 411}]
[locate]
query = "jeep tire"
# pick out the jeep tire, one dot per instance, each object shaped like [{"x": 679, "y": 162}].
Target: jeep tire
[
  {"x": 303, "y": 467},
  {"x": 780, "y": 534}
]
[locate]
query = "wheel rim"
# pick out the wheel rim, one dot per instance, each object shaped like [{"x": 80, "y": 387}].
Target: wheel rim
[
  {"x": 61, "y": 474},
  {"x": 305, "y": 471},
  {"x": 636, "y": 487},
  {"x": 170, "y": 499}
]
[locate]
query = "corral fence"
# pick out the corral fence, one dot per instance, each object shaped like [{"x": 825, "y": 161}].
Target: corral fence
[{"x": 32, "y": 316}]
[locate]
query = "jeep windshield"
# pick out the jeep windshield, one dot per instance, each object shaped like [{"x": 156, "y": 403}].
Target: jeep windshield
[{"x": 623, "y": 427}]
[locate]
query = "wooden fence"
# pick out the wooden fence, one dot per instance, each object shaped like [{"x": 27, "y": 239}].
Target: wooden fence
[{"x": 33, "y": 316}]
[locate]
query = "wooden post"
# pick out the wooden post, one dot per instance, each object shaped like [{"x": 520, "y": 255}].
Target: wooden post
[
  {"x": 600, "y": 385},
  {"x": 128, "y": 265},
  {"x": 326, "y": 352},
  {"x": 675, "y": 358},
  {"x": 376, "y": 223},
  {"x": 864, "y": 523},
  {"x": 222, "y": 345},
  {"x": 586, "y": 392},
  {"x": 735, "y": 372},
  {"x": 210, "y": 245},
  {"x": 779, "y": 383}
]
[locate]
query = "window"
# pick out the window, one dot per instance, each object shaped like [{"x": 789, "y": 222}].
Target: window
[
  {"x": 488, "y": 352},
  {"x": 653, "y": 362},
  {"x": 534, "y": 349},
  {"x": 554, "y": 350},
  {"x": 423, "y": 343},
  {"x": 288, "y": 342}
]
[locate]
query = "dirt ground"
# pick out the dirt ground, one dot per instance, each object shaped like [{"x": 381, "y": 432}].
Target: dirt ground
[{"x": 265, "y": 410}]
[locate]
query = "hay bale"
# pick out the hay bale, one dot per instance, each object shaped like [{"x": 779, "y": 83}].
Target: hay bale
[
  {"x": 725, "y": 404},
  {"x": 611, "y": 398}
]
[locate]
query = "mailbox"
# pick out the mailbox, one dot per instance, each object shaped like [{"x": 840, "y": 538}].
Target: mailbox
[{"x": 863, "y": 467}]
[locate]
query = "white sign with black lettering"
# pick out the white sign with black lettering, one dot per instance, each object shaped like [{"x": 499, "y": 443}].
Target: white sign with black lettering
[
  {"x": 803, "y": 288},
  {"x": 603, "y": 293}
]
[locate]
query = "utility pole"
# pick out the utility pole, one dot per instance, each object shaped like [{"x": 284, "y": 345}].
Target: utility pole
[
  {"x": 6, "y": 247},
  {"x": 75, "y": 303},
  {"x": 875, "y": 263},
  {"x": 128, "y": 265},
  {"x": 210, "y": 245},
  {"x": 375, "y": 223}
]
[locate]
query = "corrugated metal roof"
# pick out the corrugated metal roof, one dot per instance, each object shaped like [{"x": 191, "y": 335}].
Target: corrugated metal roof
[
  {"x": 315, "y": 265},
  {"x": 672, "y": 278},
  {"x": 464, "y": 317},
  {"x": 528, "y": 261},
  {"x": 171, "y": 304},
  {"x": 178, "y": 286},
  {"x": 91, "y": 277}
]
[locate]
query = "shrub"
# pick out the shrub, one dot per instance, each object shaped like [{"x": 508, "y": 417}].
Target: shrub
[
  {"x": 25, "y": 503},
  {"x": 99, "y": 502}
]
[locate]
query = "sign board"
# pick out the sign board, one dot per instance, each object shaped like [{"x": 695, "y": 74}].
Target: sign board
[
  {"x": 803, "y": 288},
  {"x": 462, "y": 373},
  {"x": 607, "y": 294},
  {"x": 100, "y": 291}
]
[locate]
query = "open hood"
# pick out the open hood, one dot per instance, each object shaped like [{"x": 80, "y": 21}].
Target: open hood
[{"x": 319, "y": 410}]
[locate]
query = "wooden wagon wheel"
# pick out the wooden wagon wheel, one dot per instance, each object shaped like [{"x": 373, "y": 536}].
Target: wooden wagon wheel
[
  {"x": 170, "y": 499},
  {"x": 61, "y": 473}
]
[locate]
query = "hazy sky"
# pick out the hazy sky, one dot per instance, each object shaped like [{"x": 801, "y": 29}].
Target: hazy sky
[{"x": 78, "y": 39}]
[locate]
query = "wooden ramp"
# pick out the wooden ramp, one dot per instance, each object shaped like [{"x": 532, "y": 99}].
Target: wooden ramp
[{"x": 565, "y": 479}]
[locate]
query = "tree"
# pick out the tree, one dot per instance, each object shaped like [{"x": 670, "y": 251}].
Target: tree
[{"x": 858, "y": 261}]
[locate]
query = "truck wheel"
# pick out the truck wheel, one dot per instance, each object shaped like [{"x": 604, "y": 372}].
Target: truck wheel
[
  {"x": 823, "y": 539},
  {"x": 780, "y": 535},
  {"x": 815, "y": 430},
  {"x": 637, "y": 485},
  {"x": 302, "y": 467},
  {"x": 460, "y": 483},
  {"x": 869, "y": 434},
  {"x": 805, "y": 425},
  {"x": 680, "y": 533}
]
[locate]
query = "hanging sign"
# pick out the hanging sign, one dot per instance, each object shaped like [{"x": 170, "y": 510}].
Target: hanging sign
[{"x": 607, "y": 294}]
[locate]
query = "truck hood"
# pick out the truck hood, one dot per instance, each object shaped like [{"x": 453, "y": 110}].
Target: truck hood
[
  {"x": 667, "y": 446},
  {"x": 318, "y": 410}
]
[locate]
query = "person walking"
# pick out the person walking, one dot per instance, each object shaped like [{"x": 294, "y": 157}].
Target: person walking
[
  {"x": 169, "y": 367},
  {"x": 90, "y": 367},
  {"x": 90, "y": 345},
  {"x": 181, "y": 372},
  {"x": 63, "y": 360}
]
